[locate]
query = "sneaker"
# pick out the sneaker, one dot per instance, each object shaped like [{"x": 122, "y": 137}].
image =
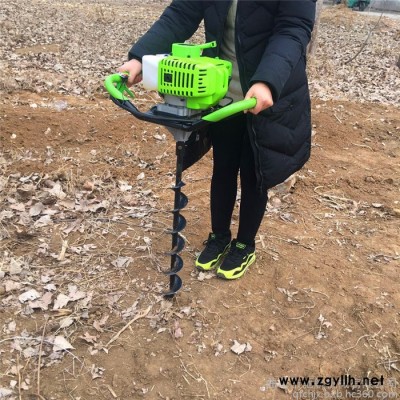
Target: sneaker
[
  {"x": 216, "y": 247},
  {"x": 236, "y": 262}
]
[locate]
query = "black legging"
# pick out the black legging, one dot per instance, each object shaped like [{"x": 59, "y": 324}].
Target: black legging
[{"x": 232, "y": 152}]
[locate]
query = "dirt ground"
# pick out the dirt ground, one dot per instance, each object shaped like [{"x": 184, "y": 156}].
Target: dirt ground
[{"x": 84, "y": 205}]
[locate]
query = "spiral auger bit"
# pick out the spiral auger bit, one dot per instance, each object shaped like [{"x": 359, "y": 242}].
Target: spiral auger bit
[
  {"x": 193, "y": 88},
  {"x": 178, "y": 224}
]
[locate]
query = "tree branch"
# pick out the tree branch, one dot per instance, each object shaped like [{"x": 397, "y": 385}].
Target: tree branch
[{"x": 365, "y": 42}]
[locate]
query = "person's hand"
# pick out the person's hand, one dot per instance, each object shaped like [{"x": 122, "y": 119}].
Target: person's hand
[
  {"x": 262, "y": 93},
  {"x": 134, "y": 69}
]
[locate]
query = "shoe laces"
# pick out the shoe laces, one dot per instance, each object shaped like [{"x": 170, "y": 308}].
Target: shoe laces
[
  {"x": 237, "y": 251},
  {"x": 214, "y": 242}
]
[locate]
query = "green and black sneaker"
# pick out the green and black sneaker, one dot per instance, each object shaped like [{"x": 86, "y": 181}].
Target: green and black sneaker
[
  {"x": 216, "y": 247},
  {"x": 236, "y": 262}
]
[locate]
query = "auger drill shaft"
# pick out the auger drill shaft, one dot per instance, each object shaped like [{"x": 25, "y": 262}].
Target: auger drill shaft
[{"x": 179, "y": 223}]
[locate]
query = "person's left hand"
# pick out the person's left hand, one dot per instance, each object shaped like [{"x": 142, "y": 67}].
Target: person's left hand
[{"x": 262, "y": 93}]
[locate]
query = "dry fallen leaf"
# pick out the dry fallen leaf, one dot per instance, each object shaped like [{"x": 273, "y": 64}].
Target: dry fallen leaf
[
  {"x": 4, "y": 393},
  {"x": 29, "y": 295},
  {"x": 42, "y": 221},
  {"x": 89, "y": 338},
  {"x": 11, "y": 326},
  {"x": 121, "y": 262},
  {"x": 177, "y": 331},
  {"x": 43, "y": 302},
  {"x": 36, "y": 209},
  {"x": 15, "y": 267},
  {"x": 74, "y": 294},
  {"x": 239, "y": 348},
  {"x": 98, "y": 324},
  {"x": 66, "y": 322},
  {"x": 61, "y": 301},
  {"x": 57, "y": 191},
  {"x": 97, "y": 372},
  {"x": 60, "y": 344}
]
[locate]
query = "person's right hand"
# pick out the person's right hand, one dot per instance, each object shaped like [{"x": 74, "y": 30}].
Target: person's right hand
[{"x": 134, "y": 69}]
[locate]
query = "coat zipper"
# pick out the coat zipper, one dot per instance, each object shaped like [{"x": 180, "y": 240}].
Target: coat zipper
[
  {"x": 260, "y": 178},
  {"x": 257, "y": 168}
]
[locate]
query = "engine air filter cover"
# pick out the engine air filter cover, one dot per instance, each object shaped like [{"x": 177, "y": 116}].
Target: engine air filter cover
[{"x": 203, "y": 81}]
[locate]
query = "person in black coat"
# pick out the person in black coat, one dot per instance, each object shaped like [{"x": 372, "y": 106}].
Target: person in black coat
[{"x": 266, "y": 41}]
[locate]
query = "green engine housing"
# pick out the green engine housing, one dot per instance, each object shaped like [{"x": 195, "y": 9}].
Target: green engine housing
[{"x": 202, "y": 81}]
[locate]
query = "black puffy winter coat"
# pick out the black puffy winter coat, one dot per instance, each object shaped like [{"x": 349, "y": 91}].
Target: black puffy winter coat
[{"x": 271, "y": 44}]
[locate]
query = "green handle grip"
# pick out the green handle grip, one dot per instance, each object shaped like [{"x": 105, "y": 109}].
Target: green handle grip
[
  {"x": 116, "y": 86},
  {"x": 232, "y": 109}
]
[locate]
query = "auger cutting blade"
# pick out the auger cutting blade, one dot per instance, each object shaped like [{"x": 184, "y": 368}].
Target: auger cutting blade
[
  {"x": 174, "y": 286},
  {"x": 182, "y": 202},
  {"x": 178, "y": 186},
  {"x": 180, "y": 244},
  {"x": 178, "y": 265},
  {"x": 180, "y": 225}
]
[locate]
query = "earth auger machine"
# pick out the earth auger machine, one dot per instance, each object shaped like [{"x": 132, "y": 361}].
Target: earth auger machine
[{"x": 193, "y": 88}]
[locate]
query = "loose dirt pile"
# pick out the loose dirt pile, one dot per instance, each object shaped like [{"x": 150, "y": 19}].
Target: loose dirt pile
[{"x": 84, "y": 205}]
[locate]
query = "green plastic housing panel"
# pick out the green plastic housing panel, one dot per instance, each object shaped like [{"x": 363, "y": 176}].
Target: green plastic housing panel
[
  {"x": 187, "y": 50},
  {"x": 202, "y": 81}
]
